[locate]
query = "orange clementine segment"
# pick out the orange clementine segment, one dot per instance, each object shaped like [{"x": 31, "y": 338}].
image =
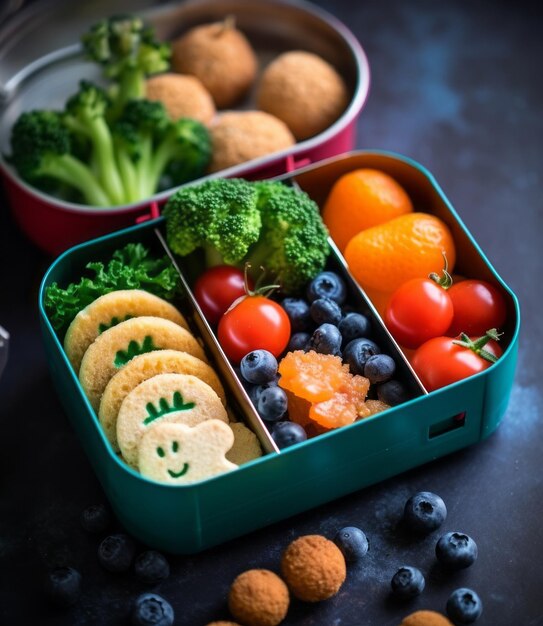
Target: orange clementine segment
[
  {"x": 311, "y": 376},
  {"x": 361, "y": 199},
  {"x": 409, "y": 246}
]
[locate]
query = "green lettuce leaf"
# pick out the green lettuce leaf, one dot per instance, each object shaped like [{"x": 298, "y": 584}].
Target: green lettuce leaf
[{"x": 129, "y": 268}]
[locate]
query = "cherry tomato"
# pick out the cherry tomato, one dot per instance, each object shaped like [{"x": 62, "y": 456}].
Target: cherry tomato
[
  {"x": 217, "y": 288},
  {"x": 417, "y": 311},
  {"x": 440, "y": 362},
  {"x": 477, "y": 305},
  {"x": 253, "y": 323}
]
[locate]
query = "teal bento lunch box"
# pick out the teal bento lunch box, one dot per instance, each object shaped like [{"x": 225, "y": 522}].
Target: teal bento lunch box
[{"x": 188, "y": 519}]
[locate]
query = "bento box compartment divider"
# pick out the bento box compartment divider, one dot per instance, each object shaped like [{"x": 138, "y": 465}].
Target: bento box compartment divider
[{"x": 244, "y": 404}]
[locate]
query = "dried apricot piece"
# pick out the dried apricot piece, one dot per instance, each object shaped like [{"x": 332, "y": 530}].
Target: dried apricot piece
[
  {"x": 362, "y": 199},
  {"x": 410, "y": 246}
]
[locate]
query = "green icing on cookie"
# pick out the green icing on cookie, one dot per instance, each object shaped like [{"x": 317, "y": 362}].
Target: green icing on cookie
[
  {"x": 178, "y": 404},
  {"x": 179, "y": 474},
  {"x": 134, "y": 349},
  {"x": 160, "y": 452},
  {"x": 114, "y": 321}
]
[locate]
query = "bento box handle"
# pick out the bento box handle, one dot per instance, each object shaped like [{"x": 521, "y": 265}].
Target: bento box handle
[
  {"x": 291, "y": 164},
  {"x": 154, "y": 212}
]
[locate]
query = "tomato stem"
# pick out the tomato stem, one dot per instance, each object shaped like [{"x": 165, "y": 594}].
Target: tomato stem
[
  {"x": 259, "y": 290},
  {"x": 478, "y": 345},
  {"x": 445, "y": 280}
]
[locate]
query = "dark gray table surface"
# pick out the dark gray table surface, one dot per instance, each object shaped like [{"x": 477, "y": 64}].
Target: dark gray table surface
[{"x": 456, "y": 86}]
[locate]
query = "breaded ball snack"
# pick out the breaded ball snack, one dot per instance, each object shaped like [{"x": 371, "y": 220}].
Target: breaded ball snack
[
  {"x": 246, "y": 445},
  {"x": 313, "y": 568},
  {"x": 221, "y": 57},
  {"x": 238, "y": 137},
  {"x": 107, "y": 311},
  {"x": 258, "y": 597},
  {"x": 425, "y": 618},
  {"x": 115, "y": 347},
  {"x": 142, "y": 368},
  {"x": 179, "y": 398},
  {"x": 182, "y": 96},
  {"x": 304, "y": 91}
]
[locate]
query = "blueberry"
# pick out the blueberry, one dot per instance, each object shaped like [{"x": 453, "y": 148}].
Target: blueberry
[
  {"x": 424, "y": 512},
  {"x": 298, "y": 341},
  {"x": 63, "y": 586},
  {"x": 354, "y": 326},
  {"x": 327, "y": 285},
  {"x": 456, "y": 550},
  {"x": 325, "y": 311},
  {"x": 150, "y": 609},
  {"x": 272, "y": 404},
  {"x": 407, "y": 582},
  {"x": 352, "y": 542},
  {"x": 379, "y": 368},
  {"x": 254, "y": 391},
  {"x": 357, "y": 352},
  {"x": 392, "y": 392},
  {"x": 298, "y": 314},
  {"x": 95, "y": 518},
  {"x": 326, "y": 340},
  {"x": 287, "y": 434},
  {"x": 258, "y": 366},
  {"x": 116, "y": 553},
  {"x": 464, "y": 606},
  {"x": 151, "y": 567}
]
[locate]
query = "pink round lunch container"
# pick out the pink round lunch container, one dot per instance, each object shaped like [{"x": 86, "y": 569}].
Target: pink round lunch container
[{"x": 272, "y": 27}]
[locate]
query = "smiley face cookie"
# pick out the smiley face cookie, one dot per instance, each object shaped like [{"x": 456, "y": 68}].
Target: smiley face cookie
[
  {"x": 108, "y": 311},
  {"x": 178, "y": 454},
  {"x": 115, "y": 347},
  {"x": 246, "y": 445},
  {"x": 180, "y": 398},
  {"x": 146, "y": 366}
]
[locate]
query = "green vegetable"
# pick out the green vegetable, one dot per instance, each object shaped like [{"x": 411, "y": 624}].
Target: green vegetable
[
  {"x": 41, "y": 146},
  {"x": 148, "y": 142},
  {"x": 267, "y": 224},
  {"x": 220, "y": 216},
  {"x": 86, "y": 117},
  {"x": 112, "y": 147},
  {"x": 128, "y": 52},
  {"x": 293, "y": 242},
  {"x": 129, "y": 268}
]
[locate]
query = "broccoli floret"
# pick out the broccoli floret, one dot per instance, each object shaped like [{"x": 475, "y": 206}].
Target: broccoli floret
[
  {"x": 220, "y": 216},
  {"x": 128, "y": 51},
  {"x": 85, "y": 117},
  {"x": 135, "y": 135},
  {"x": 40, "y": 145},
  {"x": 293, "y": 243},
  {"x": 183, "y": 153},
  {"x": 148, "y": 143}
]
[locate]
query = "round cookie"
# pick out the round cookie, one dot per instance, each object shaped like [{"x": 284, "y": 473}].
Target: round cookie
[
  {"x": 118, "y": 345},
  {"x": 179, "y": 455},
  {"x": 180, "y": 398},
  {"x": 143, "y": 367},
  {"x": 107, "y": 311},
  {"x": 246, "y": 445}
]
